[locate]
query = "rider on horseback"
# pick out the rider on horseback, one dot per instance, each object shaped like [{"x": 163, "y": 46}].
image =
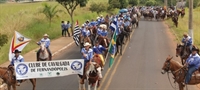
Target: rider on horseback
[
  {"x": 193, "y": 63},
  {"x": 46, "y": 40},
  {"x": 87, "y": 55},
  {"x": 98, "y": 49},
  {"x": 17, "y": 58},
  {"x": 187, "y": 40}
]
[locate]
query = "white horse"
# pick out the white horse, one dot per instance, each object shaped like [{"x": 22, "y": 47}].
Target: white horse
[
  {"x": 43, "y": 54},
  {"x": 93, "y": 75}
]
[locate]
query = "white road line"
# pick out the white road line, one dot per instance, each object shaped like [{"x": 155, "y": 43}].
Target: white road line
[{"x": 62, "y": 48}]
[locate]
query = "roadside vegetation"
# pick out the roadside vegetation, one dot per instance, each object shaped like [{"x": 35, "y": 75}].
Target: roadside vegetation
[
  {"x": 27, "y": 19},
  {"x": 183, "y": 25}
]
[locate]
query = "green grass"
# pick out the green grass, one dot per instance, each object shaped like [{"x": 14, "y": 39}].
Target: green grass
[
  {"x": 183, "y": 26},
  {"x": 24, "y": 18}
]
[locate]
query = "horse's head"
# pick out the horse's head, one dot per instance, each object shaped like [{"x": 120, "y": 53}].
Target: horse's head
[
  {"x": 179, "y": 48},
  {"x": 167, "y": 65},
  {"x": 94, "y": 71},
  {"x": 42, "y": 47}
]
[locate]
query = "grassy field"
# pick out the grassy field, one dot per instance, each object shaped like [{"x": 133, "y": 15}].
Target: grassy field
[
  {"x": 183, "y": 26},
  {"x": 24, "y": 17}
]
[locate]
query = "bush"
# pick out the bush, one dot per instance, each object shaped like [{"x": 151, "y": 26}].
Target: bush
[
  {"x": 196, "y": 3},
  {"x": 150, "y": 3},
  {"x": 3, "y": 39}
]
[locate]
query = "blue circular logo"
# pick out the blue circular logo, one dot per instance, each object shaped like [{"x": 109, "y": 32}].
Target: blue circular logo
[
  {"x": 21, "y": 69},
  {"x": 76, "y": 65}
]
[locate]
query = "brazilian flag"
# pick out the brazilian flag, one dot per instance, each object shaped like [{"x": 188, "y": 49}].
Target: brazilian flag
[{"x": 112, "y": 49}]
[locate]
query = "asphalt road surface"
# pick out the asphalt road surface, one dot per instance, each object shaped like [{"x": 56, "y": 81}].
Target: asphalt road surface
[{"x": 139, "y": 68}]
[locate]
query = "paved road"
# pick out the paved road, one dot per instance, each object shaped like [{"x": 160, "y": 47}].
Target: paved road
[{"x": 139, "y": 67}]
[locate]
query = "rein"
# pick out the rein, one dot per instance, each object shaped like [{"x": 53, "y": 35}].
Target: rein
[{"x": 170, "y": 81}]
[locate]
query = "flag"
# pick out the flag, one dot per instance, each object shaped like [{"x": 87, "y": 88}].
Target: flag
[
  {"x": 112, "y": 49},
  {"x": 114, "y": 26},
  {"x": 76, "y": 33},
  {"x": 18, "y": 42}
]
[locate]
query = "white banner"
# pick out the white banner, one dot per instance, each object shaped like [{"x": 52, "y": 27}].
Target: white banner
[{"x": 48, "y": 69}]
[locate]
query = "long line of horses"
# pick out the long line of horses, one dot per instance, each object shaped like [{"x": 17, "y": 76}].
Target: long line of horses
[{"x": 162, "y": 14}]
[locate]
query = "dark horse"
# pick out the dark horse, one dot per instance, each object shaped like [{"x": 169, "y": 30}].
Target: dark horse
[
  {"x": 175, "y": 19},
  {"x": 183, "y": 52},
  {"x": 7, "y": 75},
  {"x": 120, "y": 41},
  {"x": 104, "y": 42},
  {"x": 179, "y": 72}
]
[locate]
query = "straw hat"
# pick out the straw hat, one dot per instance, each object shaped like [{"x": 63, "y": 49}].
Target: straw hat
[
  {"x": 46, "y": 35},
  {"x": 87, "y": 44}
]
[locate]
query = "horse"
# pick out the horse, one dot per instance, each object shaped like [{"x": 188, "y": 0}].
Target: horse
[
  {"x": 7, "y": 75},
  {"x": 104, "y": 42},
  {"x": 83, "y": 40},
  {"x": 182, "y": 13},
  {"x": 179, "y": 71},
  {"x": 92, "y": 74},
  {"x": 43, "y": 53},
  {"x": 175, "y": 19},
  {"x": 184, "y": 52}
]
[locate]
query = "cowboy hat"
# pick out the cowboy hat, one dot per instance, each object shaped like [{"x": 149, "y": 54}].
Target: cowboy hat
[
  {"x": 87, "y": 44},
  {"x": 98, "y": 17},
  {"x": 194, "y": 49},
  {"x": 17, "y": 51},
  {"x": 46, "y": 35},
  {"x": 101, "y": 15}
]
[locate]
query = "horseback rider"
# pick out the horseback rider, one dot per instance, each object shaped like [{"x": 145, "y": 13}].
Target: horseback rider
[
  {"x": 87, "y": 55},
  {"x": 193, "y": 63},
  {"x": 46, "y": 40},
  {"x": 98, "y": 49},
  {"x": 102, "y": 19},
  {"x": 17, "y": 58},
  {"x": 187, "y": 40},
  {"x": 87, "y": 23},
  {"x": 127, "y": 25}
]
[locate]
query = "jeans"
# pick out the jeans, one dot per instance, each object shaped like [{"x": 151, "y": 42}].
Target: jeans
[
  {"x": 191, "y": 70},
  {"x": 64, "y": 33}
]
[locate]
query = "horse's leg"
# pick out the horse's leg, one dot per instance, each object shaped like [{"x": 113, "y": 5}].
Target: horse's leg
[
  {"x": 121, "y": 49},
  {"x": 95, "y": 87},
  {"x": 33, "y": 81},
  {"x": 8, "y": 87},
  {"x": 13, "y": 86},
  {"x": 89, "y": 85},
  {"x": 181, "y": 86}
]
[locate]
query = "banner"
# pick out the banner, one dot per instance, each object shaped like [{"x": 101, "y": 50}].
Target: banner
[
  {"x": 48, "y": 69},
  {"x": 18, "y": 42}
]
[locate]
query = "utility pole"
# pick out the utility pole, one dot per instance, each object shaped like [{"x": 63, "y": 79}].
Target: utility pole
[
  {"x": 190, "y": 24},
  {"x": 165, "y": 4}
]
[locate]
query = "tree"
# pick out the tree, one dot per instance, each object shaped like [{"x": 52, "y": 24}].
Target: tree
[
  {"x": 70, "y": 6},
  {"x": 114, "y": 4},
  {"x": 50, "y": 11},
  {"x": 133, "y": 2},
  {"x": 98, "y": 7},
  {"x": 123, "y": 3},
  {"x": 195, "y": 3},
  {"x": 150, "y": 3},
  {"x": 3, "y": 39}
]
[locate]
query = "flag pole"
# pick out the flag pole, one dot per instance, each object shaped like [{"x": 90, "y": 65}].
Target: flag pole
[{"x": 109, "y": 46}]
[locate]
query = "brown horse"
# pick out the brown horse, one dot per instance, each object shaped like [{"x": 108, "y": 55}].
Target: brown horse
[
  {"x": 184, "y": 52},
  {"x": 181, "y": 12},
  {"x": 7, "y": 75},
  {"x": 179, "y": 72},
  {"x": 104, "y": 42},
  {"x": 175, "y": 19},
  {"x": 92, "y": 74}
]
